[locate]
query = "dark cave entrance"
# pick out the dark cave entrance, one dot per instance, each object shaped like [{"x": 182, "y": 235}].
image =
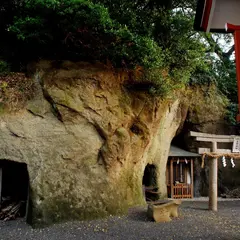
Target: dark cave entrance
[
  {"x": 14, "y": 188},
  {"x": 149, "y": 183}
]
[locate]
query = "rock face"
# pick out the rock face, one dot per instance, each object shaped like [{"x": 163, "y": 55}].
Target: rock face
[{"x": 86, "y": 140}]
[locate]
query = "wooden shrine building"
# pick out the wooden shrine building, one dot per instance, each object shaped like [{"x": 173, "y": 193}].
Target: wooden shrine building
[{"x": 179, "y": 173}]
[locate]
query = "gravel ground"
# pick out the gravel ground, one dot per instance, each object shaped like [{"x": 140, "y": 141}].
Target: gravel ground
[{"x": 195, "y": 222}]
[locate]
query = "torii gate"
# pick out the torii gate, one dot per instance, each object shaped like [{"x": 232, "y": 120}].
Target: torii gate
[
  {"x": 213, "y": 163},
  {"x": 221, "y": 16}
]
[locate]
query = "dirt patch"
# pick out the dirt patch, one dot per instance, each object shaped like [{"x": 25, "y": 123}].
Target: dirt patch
[{"x": 15, "y": 90}]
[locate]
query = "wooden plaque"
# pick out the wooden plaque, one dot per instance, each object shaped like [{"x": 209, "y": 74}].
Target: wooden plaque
[{"x": 236, "y": 145}]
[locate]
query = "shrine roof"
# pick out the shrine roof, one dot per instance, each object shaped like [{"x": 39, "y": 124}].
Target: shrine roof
[
  {"x": 178, "y": 152},
  {"x": 213, "y": 15}
]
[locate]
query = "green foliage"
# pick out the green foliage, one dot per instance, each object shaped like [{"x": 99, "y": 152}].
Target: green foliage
[
  {"x": 162, "y": 85},
  {"x": 156, "y": 35},
  {"x": 207, "y": 104},
  {"x": 225, "y": 73},
  {"x": 170, "y": 26},
  {"x": 184, "y": 52},
  {"x": 150, "y": 34},
  {"x": 232, "y": 112},
  {"x": 4, "y": 68},
  {"x": 80, "y": 29}
]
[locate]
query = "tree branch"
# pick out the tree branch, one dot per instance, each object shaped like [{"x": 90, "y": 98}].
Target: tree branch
[{"x": 230, "y": 52}]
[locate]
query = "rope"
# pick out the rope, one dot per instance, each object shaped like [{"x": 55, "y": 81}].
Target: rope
[{"x": 218, "y": 155}]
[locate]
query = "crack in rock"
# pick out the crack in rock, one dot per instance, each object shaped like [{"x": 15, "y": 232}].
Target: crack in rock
[
  {"x": 34, "y": 114},
  {"x": 12, "y": 133}
]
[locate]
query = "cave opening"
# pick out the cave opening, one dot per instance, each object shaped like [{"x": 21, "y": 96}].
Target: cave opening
[
  {"x": 149, "y": 183},
  {"x": 14, "y": 190}
]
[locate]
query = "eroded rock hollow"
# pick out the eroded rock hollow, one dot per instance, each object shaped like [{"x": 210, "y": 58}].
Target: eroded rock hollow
[{"x": 86, "y": 139}]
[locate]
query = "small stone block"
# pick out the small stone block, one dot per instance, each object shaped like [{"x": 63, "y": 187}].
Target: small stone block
[{"x": 163, "y": 211}]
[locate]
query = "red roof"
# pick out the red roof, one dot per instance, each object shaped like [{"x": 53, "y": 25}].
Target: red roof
[{"x": 212, "y": 15}]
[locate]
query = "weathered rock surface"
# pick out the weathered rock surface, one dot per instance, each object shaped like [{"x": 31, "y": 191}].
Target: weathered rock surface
[{"x": 86, "y": 140}]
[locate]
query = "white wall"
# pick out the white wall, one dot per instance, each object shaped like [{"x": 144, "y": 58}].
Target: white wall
[{"x": 226, "y": 11}]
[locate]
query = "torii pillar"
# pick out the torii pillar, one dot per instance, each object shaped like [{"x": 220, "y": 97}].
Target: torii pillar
[
  {"x": 213, "y": 181},
  {"x": 213, "y": 162}
]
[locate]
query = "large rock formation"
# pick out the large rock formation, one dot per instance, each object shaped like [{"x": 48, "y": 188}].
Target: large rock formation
[{"x": 86, "y": 140}]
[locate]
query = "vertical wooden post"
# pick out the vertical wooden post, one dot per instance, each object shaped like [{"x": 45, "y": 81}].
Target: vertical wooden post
[
  {"x": 213, "y": 180},
  {"x": 171, "y": 177},
  {"x": 191, "y": 177},
  {"x": 181, "y": 172},
  {"x": 0, "y": 185},
  {"x": 237, "y": 57}
]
